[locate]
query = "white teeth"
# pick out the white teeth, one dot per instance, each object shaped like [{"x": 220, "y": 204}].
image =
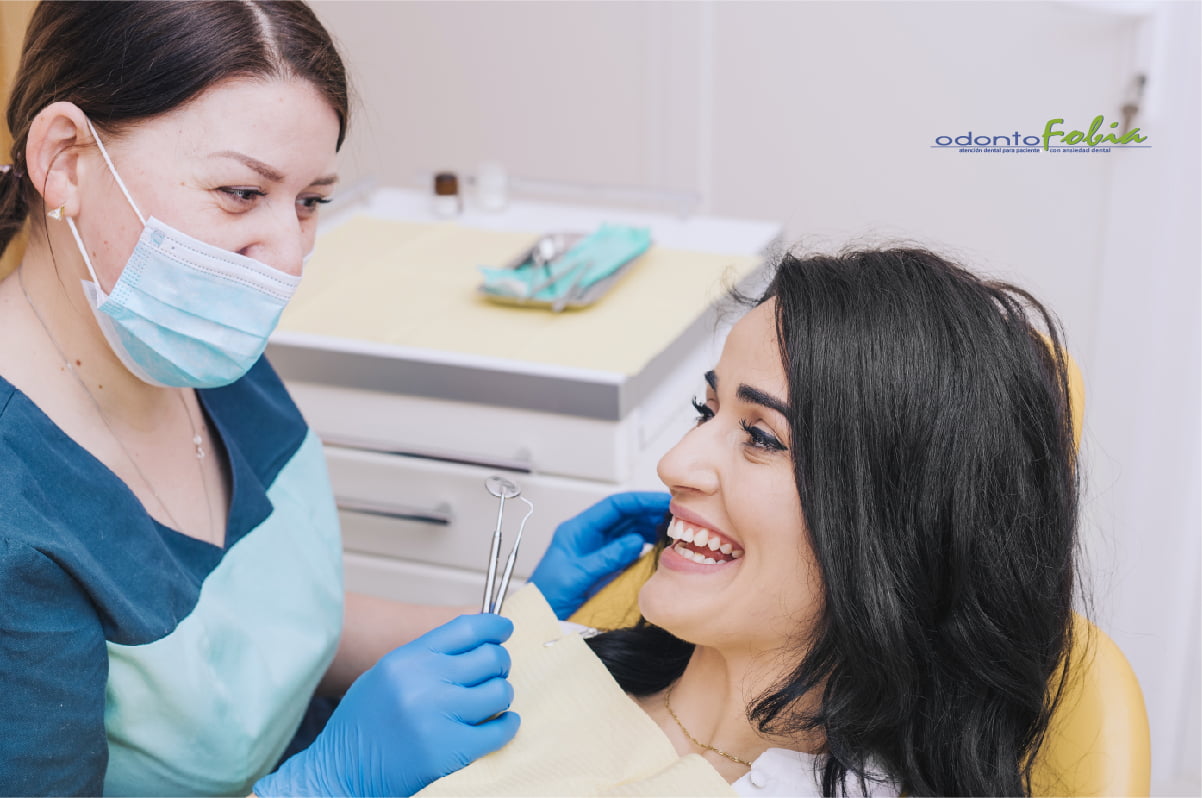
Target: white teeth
[
  {"x": 701, "y": 538},
  {"x": 695, "y": 556}
]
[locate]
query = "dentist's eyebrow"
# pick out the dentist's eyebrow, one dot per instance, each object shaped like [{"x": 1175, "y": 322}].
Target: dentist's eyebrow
[
  {"x": 267, "y": 171},
  {"x": 251, "y": 163},
  {"x": 753, "y": 395}
]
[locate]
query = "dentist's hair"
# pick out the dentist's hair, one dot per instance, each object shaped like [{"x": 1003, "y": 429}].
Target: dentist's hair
[
  {"x": 933, "y": 452},
  {"x": 122, "y": 62}
]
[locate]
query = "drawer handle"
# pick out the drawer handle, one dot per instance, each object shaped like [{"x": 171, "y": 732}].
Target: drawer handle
[
  {"x": 439, "y": 515},
  {"x": 519, "y": 463}
]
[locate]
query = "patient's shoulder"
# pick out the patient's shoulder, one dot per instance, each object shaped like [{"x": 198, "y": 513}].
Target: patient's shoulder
[{"x": 781, "y": 772}]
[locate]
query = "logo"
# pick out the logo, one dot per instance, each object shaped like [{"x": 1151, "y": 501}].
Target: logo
[
  {"x": 1054, "y": 139},
  {"x": 1076, "y": 136}
]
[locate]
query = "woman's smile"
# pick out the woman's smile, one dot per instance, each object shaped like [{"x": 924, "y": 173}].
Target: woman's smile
[{"x": 697, "y": 543}]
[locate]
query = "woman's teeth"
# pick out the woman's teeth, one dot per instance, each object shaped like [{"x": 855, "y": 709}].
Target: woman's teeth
[{"x": 701, "y": 545}]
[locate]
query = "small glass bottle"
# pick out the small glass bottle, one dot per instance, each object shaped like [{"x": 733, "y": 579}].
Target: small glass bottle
[
  {"x": 492, "y": 186},
  {"x": 447, "y": 201}
]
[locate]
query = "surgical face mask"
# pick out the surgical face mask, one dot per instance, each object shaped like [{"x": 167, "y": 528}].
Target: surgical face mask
[{"x": 183, "y": 313}]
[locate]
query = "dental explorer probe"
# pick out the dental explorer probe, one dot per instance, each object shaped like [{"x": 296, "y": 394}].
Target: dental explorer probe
[{"x": 503, "y": 489}]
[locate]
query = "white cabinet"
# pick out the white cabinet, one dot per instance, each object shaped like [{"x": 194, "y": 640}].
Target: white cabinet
[{"x": 411, "y": 433}]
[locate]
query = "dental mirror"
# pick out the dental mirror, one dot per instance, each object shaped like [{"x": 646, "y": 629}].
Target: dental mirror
[
  {"x": 545, "y": 250},
  {"x": 501, "y": 487}
]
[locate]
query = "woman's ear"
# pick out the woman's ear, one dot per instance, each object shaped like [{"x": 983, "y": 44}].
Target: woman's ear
[{"x": 52, "y": 154}]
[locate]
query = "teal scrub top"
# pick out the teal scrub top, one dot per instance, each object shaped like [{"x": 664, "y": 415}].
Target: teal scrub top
[{"x": 139, "y": 661}]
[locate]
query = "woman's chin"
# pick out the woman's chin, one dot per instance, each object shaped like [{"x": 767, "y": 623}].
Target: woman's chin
[{"x": 684, "y": 600}]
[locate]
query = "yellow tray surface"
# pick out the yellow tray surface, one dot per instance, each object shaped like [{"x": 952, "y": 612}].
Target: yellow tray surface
[{"x": 414, "y": 284}]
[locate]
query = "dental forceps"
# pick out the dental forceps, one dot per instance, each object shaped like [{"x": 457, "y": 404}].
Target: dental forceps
[{"x": 503, "y": 489}]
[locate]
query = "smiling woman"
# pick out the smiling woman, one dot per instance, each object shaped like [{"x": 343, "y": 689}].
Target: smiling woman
[
  {"x": 720, "y": 475},
  {"x": 866, "y": 583}
]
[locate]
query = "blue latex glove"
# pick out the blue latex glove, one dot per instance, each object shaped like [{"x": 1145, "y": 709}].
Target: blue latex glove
[
  {"x": 589, "y": 550},
  {"x": 421, "y": 712}
]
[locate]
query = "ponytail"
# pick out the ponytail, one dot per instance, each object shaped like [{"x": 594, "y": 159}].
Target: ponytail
[{"x": 14, "y": 204}]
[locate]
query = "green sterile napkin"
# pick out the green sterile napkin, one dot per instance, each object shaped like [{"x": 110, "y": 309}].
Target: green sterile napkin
[{"x": 591, "y": 260}]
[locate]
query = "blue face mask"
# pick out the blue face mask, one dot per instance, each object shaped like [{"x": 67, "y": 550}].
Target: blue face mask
[{"x": 183, "y": 313}]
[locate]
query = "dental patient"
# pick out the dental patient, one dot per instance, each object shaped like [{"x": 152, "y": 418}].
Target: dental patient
[{"x": 865, "y": 586}]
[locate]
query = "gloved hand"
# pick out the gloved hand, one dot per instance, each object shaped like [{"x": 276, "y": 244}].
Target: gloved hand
[
  {"x": 589, "y": 550},
  {"x": 418, "y": 714}
]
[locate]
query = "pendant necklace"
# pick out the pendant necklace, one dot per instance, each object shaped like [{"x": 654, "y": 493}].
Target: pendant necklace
[{"x": 197, "y": 440}]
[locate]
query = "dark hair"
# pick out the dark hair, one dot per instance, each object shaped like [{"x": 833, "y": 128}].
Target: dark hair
[
  {"x": 933, "y": 453},
  {"x": 122, "y": 62}
]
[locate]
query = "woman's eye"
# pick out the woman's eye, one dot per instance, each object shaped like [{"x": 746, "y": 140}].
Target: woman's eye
[
  {"x": 242, "y": 196},
  {"x": 311, "y": 204},
  {"x": 762, "y": 439},
  {"x": 704, "y": 412},
  {"x": 308, "y": 206}
]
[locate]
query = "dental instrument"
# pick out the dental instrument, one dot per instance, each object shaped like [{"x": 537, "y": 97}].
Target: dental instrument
[
  {"x": 503, "y": 489},
  {"x": 545, "y": 250}
]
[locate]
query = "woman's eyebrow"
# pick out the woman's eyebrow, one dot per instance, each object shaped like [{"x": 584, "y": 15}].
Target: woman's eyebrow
[
  {"x": 251, "y": 163},
  {"x": 268, "y": 172},
  {"x": 753, "y": 395},
  {"x": 758, "y": 397}
]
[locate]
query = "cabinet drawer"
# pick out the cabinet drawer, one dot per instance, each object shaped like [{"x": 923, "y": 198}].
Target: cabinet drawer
[
  {"x": 440, "y": 513},
  {"x": 416, "y": 583},
  {"x": 545, "y": 443}
]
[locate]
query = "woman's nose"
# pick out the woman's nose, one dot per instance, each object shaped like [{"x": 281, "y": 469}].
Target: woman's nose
[
  {"x": 281, "y": 243},
  {"x": 690, "y": 465}
]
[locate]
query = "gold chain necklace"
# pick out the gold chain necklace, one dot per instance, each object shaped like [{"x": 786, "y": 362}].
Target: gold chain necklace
[
  {"x": 694, "y": 740},
  {"x": 197, "y": 441}
]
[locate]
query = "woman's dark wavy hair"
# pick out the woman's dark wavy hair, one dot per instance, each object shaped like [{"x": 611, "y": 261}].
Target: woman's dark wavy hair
[
  {"x": 933, "y": 452},
  {"x": 122, "y": 62}
]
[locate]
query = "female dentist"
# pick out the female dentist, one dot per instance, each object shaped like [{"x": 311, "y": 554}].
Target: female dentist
[{"x": 170, "y": 580}]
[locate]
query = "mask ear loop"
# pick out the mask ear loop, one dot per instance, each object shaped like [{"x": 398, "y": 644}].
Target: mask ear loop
[
  {"x": 84, "y": 251},
  {"x": 109, "y": 161},
  {"x": 104, "y": 153}
]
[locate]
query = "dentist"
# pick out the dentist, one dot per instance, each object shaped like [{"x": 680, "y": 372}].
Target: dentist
[{"x": 170, "y": 577}]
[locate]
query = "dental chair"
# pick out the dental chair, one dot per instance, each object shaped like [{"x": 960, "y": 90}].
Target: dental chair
[{"x": 1098, "y": 741}]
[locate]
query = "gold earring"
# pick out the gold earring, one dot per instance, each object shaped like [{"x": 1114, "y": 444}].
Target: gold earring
[{"x": 57, "y": 213}]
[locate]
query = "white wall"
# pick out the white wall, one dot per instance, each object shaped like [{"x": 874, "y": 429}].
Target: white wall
[
  {"x": 1143, "y": 419},
  {"x": 821, "y": 115}
]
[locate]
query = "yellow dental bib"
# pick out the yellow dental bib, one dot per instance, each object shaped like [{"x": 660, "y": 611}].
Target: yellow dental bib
[{"x": 580, "y": 735}]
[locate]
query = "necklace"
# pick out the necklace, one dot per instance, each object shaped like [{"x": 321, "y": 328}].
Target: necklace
[
  {"x": 197, "y": 441},
  {"x": 694, "y": 740}
]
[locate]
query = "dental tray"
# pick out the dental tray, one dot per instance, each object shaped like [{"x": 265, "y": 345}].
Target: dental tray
[{"x": 534, "y": 284}]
